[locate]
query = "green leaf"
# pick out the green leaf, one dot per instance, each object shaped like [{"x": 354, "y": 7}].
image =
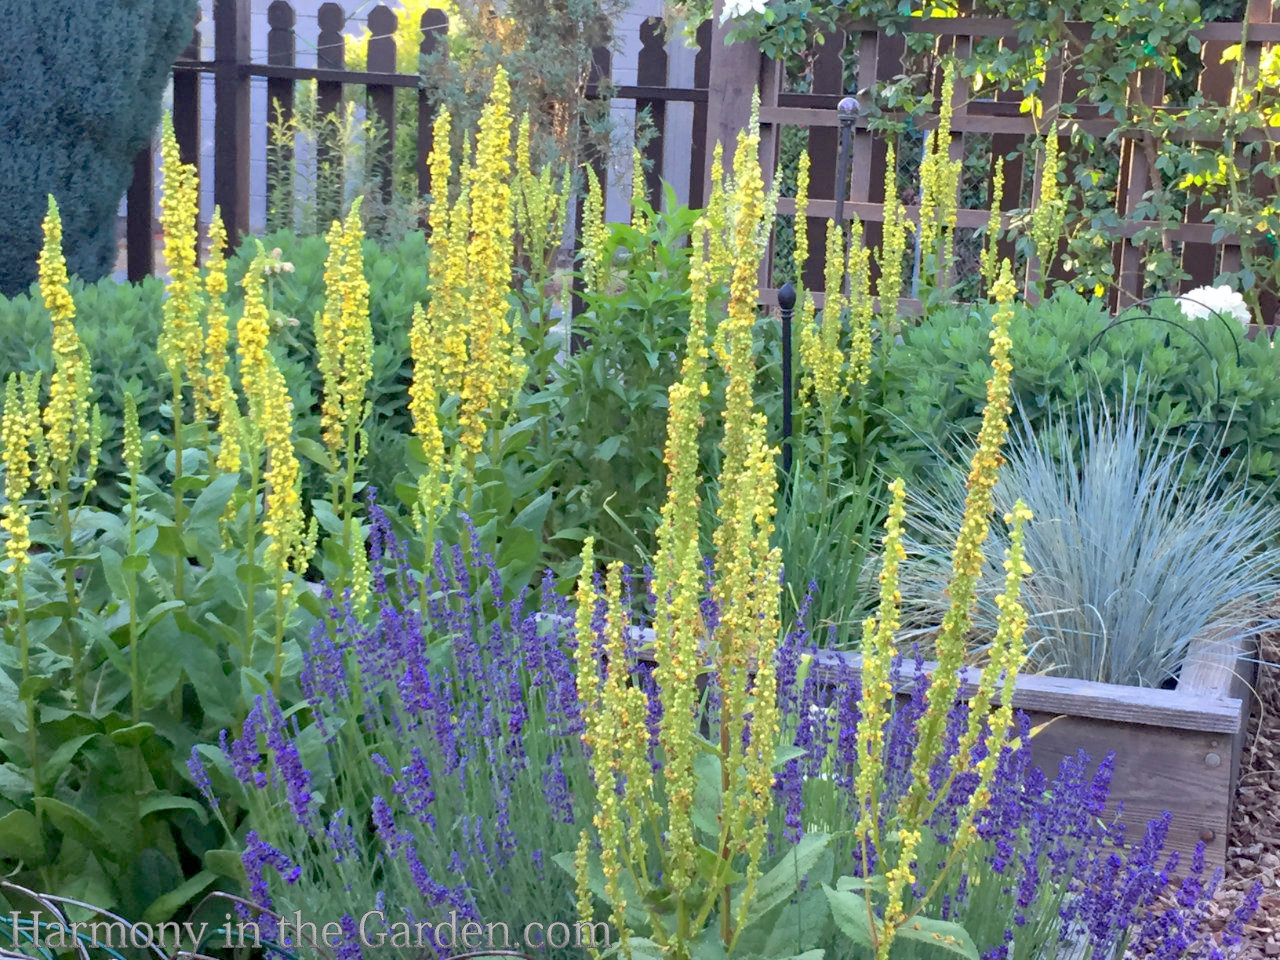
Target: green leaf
[
  {"x": 876, "y": 884},
  {"x": 20, "y": 838},
  {"x": 133, "y": 735},
  {"x": 851, "y": 914},
  {"x": 209, "y": 506},
  {"x": 940, "y": 934},
  {"x": 158, "y": 802},
  {"x": 225, "y": 863},
  {"x": 607, "y": 448},
  {"x": 113, "y": 570},
  {"x": 63, "y": 756},
  {"x": 135, "y": 563},
  {"x": 75, "y": 824},
  {"x": 779, "y": 884},
  {"x": 163, "y": 908},
  {"x": 156, "y": 613}
]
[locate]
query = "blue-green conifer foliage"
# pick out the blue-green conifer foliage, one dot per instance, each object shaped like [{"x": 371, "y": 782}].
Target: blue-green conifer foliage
[{"x": 81, "y": 84}]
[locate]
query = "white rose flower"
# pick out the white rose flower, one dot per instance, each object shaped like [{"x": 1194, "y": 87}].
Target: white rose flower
[
  {"x": 1205, "y": 302},
  {"x": 741, "y": 8}
]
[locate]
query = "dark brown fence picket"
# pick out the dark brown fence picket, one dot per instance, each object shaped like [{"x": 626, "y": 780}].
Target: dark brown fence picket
[
  {"x": 435, "y": 23},
  {"x": 382, "y": 97},
  {"x": 282, "y": 45}
]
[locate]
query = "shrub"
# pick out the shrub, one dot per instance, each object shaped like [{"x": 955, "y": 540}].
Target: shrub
[
  {"x": 119, "y": 325},
  {"x": 82, "y": 84},
  {"x": 1200, "y": 381}
]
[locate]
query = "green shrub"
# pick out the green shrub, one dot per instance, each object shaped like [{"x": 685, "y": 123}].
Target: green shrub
[
  {"x": 1197, "y": 378},
  {"x": 119, "y": 325},
  {"x": 80, "y": 93}
]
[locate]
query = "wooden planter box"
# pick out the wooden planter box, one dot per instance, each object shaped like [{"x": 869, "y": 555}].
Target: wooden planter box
[{"x": 1176, "y": 750}]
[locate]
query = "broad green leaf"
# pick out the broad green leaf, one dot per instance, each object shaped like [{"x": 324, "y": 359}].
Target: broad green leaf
[
  {"x": 940, "y": 934},
  {"x": 851, "y": 914},
  {"x": 163, "y": 908},
  {"x": 779, "y": 883},
  {"x": 20, "y": 837},
  {"x": 134, "y": 735},
  {"x": 158, "y": 802},
  {"x": 75, "y": 824},
  {"x": 62, "y": 757},
  {"x": 225, "y": 863}
]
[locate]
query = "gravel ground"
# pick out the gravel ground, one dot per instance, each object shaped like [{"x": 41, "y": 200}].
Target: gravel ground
[{"x": 1253, "y": 851}]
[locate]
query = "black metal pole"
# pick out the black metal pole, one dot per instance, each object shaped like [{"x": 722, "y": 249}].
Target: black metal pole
[
  {"x": 786, "y": 304},
  {"x": 848, "y": 110}
]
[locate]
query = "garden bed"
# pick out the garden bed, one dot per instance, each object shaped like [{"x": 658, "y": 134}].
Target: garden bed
[{"x": 1177, "y": 750}]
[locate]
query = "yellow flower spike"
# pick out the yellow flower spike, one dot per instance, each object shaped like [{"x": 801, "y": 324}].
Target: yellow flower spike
[
  {"x": 344, "y": 336},
  {"x": 878, "y": 651},
  {"x": 862, "y": 309},
  {"x": 802, "y": 218},
  {"x": 820, "y": 351},
  {"x": 271, "y": 412},
  {"x": 991, "y": 246},
  {"x": 595, "y": 234},
  {"x": 582, "y": 870},
  {"x": 718, "y": 217},
  {"x": 451, "y": 315},
  {"x": 328, "y": 337},
  {"x": 639, "y": 192},
  {"x": 67, "y": 414},
  {"x": 893, "y": 246},
  {"x": 898, "y": 879},
  {"x": 357, "y": 333},
  {"x": 132, "y": 437},
  {"x": 433, "y": 485},
  {"x": 939, "y": 181},
  {"x": 625, "y": 704},
  {"x": 1006, "y": 654},
  {"x": 211, "y": 401},
  {"x": 678, "y": 626},
  {"x": 181, "y": 338},
  {"x": 230, "y": 429},
  {"x": 967, "y": 554},
  {"x": 19, "y": 421},
  {"x": 495, "y": 357},
  {"x": 1049, "y": 215}
]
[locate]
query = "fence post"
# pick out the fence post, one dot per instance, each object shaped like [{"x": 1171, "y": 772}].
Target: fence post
[
  {"x": 699, "y": 153},
  {"x": 734, "y": 72},
  {"x": 652, "y": 72},
  {"x": 435, "y": 23},
  {"x": 139, "y": 208},
  {"x": 186, "y": 104},
  {"x": 382, "y": 98},
  {"x": 331, "y": 54},
  {"x": 231, "y": 112},
  {"x": 281, "y": 52}
]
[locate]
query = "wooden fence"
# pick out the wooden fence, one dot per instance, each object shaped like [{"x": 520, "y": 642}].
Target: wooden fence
[
  {"x": 233, "y": 70},
  {"x": 725, "y": 78},
  {"x": 1204, "y": 251}
]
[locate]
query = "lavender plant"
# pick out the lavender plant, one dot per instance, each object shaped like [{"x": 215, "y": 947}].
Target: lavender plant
[{"x": 440, "y": 767}]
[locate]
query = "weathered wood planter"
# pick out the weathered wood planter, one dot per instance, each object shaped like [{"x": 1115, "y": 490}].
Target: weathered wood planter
[{"x": 1176, "y": 750}]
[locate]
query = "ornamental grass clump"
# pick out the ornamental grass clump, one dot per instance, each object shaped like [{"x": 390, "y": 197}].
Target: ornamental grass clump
[{"x": 1138, "y": 551}]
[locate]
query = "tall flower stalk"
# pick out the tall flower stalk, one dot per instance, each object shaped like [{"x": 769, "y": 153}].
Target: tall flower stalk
[
  {"x": 289, "y": 543},
  {"x": 181, "y": 338},
  {"x": 72, "y": 425},
  {"x": 344, "y": 342},
  {"x": 738, "y": 650},
  {"x": 20, "y": 443}
]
